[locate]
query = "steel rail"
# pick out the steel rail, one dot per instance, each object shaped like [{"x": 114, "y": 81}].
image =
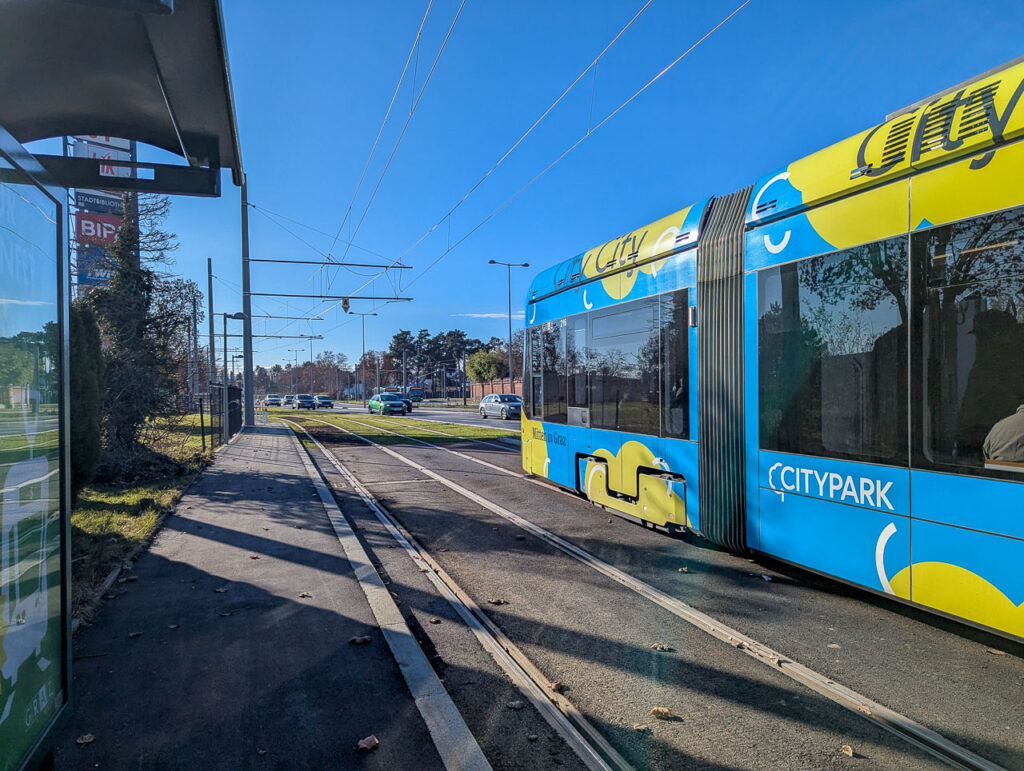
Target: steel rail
[
  {"x": 902, "y": 726},
  {"x": 560, "y": 713}
]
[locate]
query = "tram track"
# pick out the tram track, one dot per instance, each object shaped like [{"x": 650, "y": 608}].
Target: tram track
[
  {"x": 558, "y": 711},
  {"x": 902, "y": 726}
]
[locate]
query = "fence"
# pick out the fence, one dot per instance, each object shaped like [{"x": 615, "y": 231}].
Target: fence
[
  {"x": 216, "y": 412},
  {"x": 478, "y": 391}
]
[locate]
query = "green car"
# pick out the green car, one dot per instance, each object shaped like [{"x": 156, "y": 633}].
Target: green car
[{"x": 386, "y": 404}]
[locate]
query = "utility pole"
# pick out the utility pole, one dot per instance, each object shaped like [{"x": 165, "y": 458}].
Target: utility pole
[
  {"x": 378, "y": 371},
  {"x": 247, "y": 384},
  {"x": 193, "y": 337},
  {"x": 405, "y": 381},
  {"x": 209, "y": 314},
  {"x": 224, "y": 417},
  {"x": 362, "y": 361},
  {"x": 296, "y": 351},
  {"x": 509, "y": 266},
  {"x": 311, "y": 389}
]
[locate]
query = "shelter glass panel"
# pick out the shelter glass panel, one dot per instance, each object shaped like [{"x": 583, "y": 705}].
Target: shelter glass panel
[
  {"x": 832, "y": 348},
  {"x": 968, "y": 346},
  {"x": 31, "y": 622}
]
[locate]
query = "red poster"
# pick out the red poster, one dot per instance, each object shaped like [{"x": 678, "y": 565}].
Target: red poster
[{"x": 96, "y": 228}]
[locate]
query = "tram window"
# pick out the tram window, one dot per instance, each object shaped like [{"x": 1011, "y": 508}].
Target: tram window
[
  {"x": 536, "y": 383},
  {"x": 832, "y": 348},
  {"x": 553, "y": 336},
  {"x": 968, "y": 346},
  {"x": 576, "y": 360},
  {"x": 624, "y": 382},
  {"x": 675, "y": 364}
]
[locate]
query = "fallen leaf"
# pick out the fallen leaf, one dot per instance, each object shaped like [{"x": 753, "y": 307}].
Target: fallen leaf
[
  {"x": 517, "y": 704},
  {"x": 221, "y": 590},
  {"x": 369, "y": 744},
  {"x": 224, "y": 613},
  {"x": 305, "y": 595},
  {"x": 173, "y": 626},
  {"x": 85, "y": 739},
  {"x": 640, "y": 727},
  {"x": 834, "y": 645},
  {"x": 361, "y": 640},
  {"x": 266, "y": 528},
  {"x": 609, "y": 520},
  {"x": 847, "y": 750},
  {"x": 766, "y": 578},
  {"x": 497, "y": 601},
  {"x": 531, "y": 737},
  {"x": 133, "y": 635},
  {"x": 254, "y": 556},
  {"x": 435, "y": 620},
  {"x": 260, "y": 752},
  {"x": 684, "y": 570},
  {"x": 520, "y": 537},
  {"x": 662, "y": 647},
  {"x": 661, "y": 713},
  {"x": 557, "y": 686},
  {"x": 996, "y": 652}
]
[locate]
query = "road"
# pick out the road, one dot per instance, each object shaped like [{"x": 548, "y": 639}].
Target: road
[
  {"x": 445, "y": 415},
  {"x": 616, "y": 654}
]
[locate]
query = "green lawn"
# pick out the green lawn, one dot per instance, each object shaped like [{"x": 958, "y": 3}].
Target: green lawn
[
  {"x": 109, "y": 522},
  {"x": 375, "y": 428}
]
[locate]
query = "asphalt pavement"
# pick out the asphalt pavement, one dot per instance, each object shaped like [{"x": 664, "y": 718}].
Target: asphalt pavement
[
  {"x": 227, "y": 645},
  {"x": 596, "y": 637}
]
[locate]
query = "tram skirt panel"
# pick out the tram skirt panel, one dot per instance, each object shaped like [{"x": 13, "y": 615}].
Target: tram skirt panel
[{"x": 721, "y": 466}]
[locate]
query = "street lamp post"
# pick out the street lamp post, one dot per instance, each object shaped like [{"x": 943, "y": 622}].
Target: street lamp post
[
  {"x": 509, "y": 266},
  {"x": 362, "y": 361},
  {"x": 296, "y": 351},
  {"x": 224, "y": 416}
]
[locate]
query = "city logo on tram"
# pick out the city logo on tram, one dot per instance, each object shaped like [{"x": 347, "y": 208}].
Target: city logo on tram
[{"x": 844, "y": 488}]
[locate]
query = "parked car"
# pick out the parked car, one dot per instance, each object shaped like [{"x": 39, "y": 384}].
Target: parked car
[
  {"x": 386, "y": 404},
  {"x": 504, "y": 406},
  {"x": 305, "y": 402},
  {"x": 289, "y": 400},
  {"x": 273, "y": 400},
  {"x": 323, "y": 401}
]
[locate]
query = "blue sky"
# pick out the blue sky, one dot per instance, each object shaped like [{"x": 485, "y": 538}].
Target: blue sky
[{"x": 779, "y": 81}]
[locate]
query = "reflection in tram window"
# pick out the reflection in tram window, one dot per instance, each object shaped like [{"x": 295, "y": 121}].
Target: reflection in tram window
[
  {"x": 624, "y": 384},
  {"x": 553, "y": 336},
  {"x": 675, "y": 364},
  {"x": 832, "y": 343},
  {"x": 968, "y": 378}
]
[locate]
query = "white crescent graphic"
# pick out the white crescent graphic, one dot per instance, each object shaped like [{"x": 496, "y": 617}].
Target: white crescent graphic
[
  {"x": 672, "y": 231},
  {"x": 546, "y": 462},
  {"x": 587, "y": 305},
  {"x": 757, "y": 198},
  {"x": 776, "y": 248},
  {"x": 533, "y": 313},
  {"x": 663, "y": 465},
  {"x": 771, "y": 483},
  {"x": 883, "y": 539},
  {"x": 590, "y": 476}
]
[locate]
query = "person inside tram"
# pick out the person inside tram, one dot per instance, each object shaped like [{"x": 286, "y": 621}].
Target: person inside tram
[{"x": 1005, "y": 442}]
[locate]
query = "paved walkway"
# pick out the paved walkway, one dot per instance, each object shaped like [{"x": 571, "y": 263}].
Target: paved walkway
[{"x": 231, "y": 649}]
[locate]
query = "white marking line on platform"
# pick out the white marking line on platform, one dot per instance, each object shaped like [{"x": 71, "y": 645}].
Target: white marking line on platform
[
  {"x": 454, "y": 741},
  {"x": 907, "y": 729},
  {"x": 506, "y": 654}
]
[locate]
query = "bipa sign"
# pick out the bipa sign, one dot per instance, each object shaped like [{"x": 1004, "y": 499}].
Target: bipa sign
[{"x": 96, "y": 228}]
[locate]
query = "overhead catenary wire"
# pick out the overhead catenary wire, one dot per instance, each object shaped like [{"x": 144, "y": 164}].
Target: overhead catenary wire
[
  {"x": 575, "y": 144},
  {"x": 383, "y": 123},
  {"x": 405, "y": 126},
  {"x": 447, "y": 216}
]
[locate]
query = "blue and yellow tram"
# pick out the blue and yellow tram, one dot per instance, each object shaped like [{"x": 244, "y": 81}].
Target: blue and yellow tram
[{"x": 826, "y": 367}]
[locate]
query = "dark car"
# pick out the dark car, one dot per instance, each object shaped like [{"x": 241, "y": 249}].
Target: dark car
[
  {"x": 386, "y": 404},
  {"x": 305, "y": 402},
  {"x": 324, "y": 402},
  {"x": 504, "y": 406}
]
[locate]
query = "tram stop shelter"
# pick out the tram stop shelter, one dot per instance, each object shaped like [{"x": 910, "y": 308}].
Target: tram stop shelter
[{"x": 142, "y": 71}]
